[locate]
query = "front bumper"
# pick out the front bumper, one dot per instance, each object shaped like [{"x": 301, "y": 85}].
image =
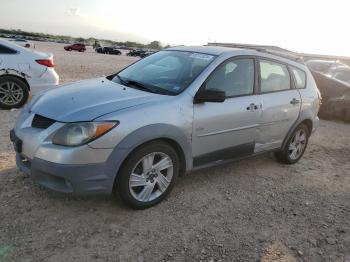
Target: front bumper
[
  {"x": 79, "y": 179},
  {"x": 81, "y": 170}
]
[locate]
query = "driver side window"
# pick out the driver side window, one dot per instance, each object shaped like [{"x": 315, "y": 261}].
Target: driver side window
[{"x": 234, "y": 77}]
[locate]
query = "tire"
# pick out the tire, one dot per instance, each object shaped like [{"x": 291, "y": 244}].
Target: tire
[
  {"x": 133, "y": 189},
  {"x": 14, "y": 92},
  {"x": 294, "y": 149}
]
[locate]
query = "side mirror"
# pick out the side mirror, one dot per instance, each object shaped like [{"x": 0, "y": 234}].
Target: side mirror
[{"x": 209, "y": 95}]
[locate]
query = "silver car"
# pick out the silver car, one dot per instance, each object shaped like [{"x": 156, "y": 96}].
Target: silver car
[{"x": 177, "y": 110}]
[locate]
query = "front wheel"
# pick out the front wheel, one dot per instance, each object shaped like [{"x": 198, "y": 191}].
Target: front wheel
[
  {"x": 148, "y": 175},
  {"x": 295, "y": 146}
]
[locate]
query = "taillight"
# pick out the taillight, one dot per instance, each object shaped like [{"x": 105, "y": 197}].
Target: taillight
[{"x": 45, "y": 62}]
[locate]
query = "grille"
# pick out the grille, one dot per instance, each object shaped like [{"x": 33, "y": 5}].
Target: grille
[{"x": 42, "y": 122}]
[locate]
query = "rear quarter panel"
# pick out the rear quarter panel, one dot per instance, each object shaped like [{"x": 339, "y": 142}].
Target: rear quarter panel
[{"x": 310, "y": 97}]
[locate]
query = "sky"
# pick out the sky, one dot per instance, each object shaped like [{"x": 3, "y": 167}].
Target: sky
[{"x": 308, "y": 26}]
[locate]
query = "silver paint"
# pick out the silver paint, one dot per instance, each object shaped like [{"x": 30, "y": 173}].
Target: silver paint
[{"x": 197, "y": 129}]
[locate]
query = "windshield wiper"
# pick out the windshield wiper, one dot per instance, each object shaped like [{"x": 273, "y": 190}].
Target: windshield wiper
[
  {"x": 139, "y": 85},
  {"x": 142, "y": 86},
  {"x": 122, "y": 81}
]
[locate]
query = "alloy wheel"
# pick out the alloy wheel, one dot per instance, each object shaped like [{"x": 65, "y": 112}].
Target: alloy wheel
[
  {"x": 297, "y": 144},
  {"x": 10, "y": 93},
  {"x": 151, "y": 177}
]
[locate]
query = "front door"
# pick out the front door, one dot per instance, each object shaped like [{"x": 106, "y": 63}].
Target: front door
[{"x": 227, "y": 130}]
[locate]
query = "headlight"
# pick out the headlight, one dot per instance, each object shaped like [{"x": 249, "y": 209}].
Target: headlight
[{"x": 76, "y": 134}]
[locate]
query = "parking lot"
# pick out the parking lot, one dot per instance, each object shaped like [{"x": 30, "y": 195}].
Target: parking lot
[{"x": 251, "y": 210}]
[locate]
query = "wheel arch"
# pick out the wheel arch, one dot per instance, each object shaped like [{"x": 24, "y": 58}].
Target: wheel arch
[
  {"x": 170, "y": 134},
  {"x": 21, "y": 78},
  {"x": 304, "y": 118},
  {"x": 173, "y": 143},
  {"x": 308, "y": 123}
]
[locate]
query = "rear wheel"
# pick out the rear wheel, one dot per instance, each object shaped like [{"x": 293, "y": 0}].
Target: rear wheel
[
  {"x": 295, "y": 147},
  {"x": 13, "y": 92},
  {"x": 148, "y": 175}
]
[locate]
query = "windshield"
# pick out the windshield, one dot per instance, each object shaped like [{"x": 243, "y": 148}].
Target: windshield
[
  {"x": 342, "y": 75},
  {"x": 165, "y": 72}
]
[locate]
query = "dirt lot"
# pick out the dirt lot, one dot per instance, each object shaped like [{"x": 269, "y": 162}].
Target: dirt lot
[{"x": 251, "y": 210}]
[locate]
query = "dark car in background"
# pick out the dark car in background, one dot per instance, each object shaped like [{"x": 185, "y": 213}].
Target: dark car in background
[
  {"x": 99, "y": 50},
  {"x": 341, "y": 73},
  {"x": 108, "y": 50},
  {"x": 147, "y": 53},
  {"x": 75, "y": 47},
  {"x": 337, "y": 107},
  {"x": 111, "y": 50},
  {"x": 334, "y": 69},
  {"x": 136, "y": 52},
  {"x": 140, "y": 53},
  {"x": 333, "y": 81}
]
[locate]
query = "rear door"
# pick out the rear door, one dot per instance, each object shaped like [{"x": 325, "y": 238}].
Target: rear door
[{"x": 280, "y": 104}]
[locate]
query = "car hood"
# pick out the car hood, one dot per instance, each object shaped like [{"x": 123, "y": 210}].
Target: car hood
[{"x": 89, "y": 99}]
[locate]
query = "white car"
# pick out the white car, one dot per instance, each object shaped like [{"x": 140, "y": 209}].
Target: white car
[
  {"x": 22, "y": 42},
  {"x": 23, "y": 71}
]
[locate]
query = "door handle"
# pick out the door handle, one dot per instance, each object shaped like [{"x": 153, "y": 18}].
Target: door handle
[
  {"x": 252, "y": 107},
  {"x": 294, "y": 101}
]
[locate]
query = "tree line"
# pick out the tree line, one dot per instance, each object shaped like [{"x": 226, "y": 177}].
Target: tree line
[{"x": 70, "y": 39}]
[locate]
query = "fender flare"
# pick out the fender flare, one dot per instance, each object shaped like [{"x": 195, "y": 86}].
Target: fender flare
[
  {"x": 304, "y": 115},
  {"x": 15, "y": 73},
  {"x": 146, "y": 134}
]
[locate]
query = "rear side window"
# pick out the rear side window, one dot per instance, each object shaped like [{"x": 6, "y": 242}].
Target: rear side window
[
  {"x": 235, "y": 77},
  {"x": 6, "y": 50},
  {"x": 299, "y": 77},
  {"x": 274, "y": 76}
]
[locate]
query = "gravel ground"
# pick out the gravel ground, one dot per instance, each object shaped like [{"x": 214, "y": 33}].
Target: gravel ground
[{"x": 252, "y": 210}]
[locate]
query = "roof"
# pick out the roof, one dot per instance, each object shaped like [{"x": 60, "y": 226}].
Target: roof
[{"x": 219, "y": 50}]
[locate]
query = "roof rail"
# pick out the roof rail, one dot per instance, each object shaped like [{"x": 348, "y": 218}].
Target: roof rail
[
  {"x": 286, "y": 55},
  {"x": 289, "y": 56}
]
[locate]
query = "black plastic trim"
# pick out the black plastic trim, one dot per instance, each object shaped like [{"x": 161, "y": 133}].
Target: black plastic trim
[{"x": 225, "y": 154}]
